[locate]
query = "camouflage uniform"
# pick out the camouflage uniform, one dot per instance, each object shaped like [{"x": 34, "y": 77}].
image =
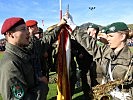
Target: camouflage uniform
[
  {"x": 104, "y": 54},
  {"x": 36, "y": 49},
  {"x": 72, "y": 69},
  {"x": 84, "y": 60}
]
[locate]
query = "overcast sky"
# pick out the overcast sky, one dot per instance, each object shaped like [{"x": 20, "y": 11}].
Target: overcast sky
[{"x": 106, "y": 11}]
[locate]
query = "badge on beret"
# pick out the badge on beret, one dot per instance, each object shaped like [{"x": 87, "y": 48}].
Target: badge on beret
[
  {"x": 18, "y": 91},
  {"x": 103, "y": 31},
  {"x": 112, "y": 28}
]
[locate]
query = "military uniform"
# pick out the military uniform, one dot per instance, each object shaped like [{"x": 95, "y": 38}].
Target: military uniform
[
  {"x": 36, "y": 49},
  {"x": 84, "y": 60},
  {"x": 20, "y": 81},
  {"x": 72, "y": 69},
  {"x": 104, "y": 54},
  {"x": 18, "y": 72}
]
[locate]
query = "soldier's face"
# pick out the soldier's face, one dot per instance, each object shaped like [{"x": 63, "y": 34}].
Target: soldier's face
[
  {"x": 92, "y": 32},
  {"x": 21, "y": 36},
  {"x": 33, "y": 30},
  {"x": 115, "y": 39}
]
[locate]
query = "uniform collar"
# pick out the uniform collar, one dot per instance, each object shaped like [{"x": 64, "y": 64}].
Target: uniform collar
[
  {"x": 124, "y": 53},
  {"x": 21, "y": 52}
]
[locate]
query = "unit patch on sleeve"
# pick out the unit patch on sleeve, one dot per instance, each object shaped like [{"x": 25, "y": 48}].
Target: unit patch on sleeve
[{"x": 17, "y": 91}]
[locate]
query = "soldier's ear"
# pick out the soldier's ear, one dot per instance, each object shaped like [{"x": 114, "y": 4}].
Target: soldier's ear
[{"x": 123, "y": 37}]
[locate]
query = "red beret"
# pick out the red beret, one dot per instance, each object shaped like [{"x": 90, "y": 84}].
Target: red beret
[
  {"x": 11, "y": 23},
  {"x": 31, "y": 23}
]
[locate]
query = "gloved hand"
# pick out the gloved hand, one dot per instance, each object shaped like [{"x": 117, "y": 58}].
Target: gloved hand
[
  {"x": 62, "y": 22},
  {"x": 69, "y": 20}
]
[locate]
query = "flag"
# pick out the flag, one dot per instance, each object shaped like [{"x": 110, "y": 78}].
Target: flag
[{"x": 64, "y": 57}]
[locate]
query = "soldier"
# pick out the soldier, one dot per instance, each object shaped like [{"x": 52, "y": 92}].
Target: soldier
[
  {"x": 17, "y": 77},
  {"x": 115, "y": 58},
  {"x": 84, "y": 60},
  {"x": 87, "y": 65},
  {"x": 37, "y": 49},
  {"x": 16, "y": 73},
  {"x": 73, "y": 66},
  {"x": 102, "y": 37},
  {"x": 39, "y": 33},
  {"x": 93, "y": 31}
]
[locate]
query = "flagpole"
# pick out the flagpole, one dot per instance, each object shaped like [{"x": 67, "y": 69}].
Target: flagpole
[{"x": 60, "y": 9}]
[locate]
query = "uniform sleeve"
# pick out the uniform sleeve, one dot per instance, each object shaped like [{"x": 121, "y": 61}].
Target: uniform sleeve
[
  {"x": 12, "y": 82},
  {"x": 89, "y": 43},
  {"x": 51, "y": 35}
]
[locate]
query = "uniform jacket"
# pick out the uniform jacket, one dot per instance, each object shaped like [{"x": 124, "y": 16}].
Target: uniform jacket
[
  {"x": 37, "y": 47},
  {"x": 103, "y": 54},
  {"x": 15, "y": 68}
]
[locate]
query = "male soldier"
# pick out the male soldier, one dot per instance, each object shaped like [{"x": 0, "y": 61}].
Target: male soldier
[
  {"x": 73, "y": 66},
  {"x": 45, "y": 59},
  {"x": 37, "y": 48},
  {"x": 17, "y": 78},
  {"x": 93, "y": 31},
  {"x": 16, "y": 73},
  {"x": 39, "y": 33},
  {"x": 84, "y": 60}
]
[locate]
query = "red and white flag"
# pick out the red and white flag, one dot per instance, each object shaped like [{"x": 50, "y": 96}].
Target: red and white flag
[{"x": 63, "y": 64}]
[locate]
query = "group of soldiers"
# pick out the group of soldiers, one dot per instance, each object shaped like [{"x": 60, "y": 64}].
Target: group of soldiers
[{"x": 100, "y": 55}]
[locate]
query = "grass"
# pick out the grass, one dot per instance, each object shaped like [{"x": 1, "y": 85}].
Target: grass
[
  {"x": 53, "y": 93},
  {"x": 1, "y": 54}
]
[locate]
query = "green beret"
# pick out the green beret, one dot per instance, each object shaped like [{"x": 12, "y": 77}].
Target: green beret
[
  {"x": 117, "y": 26},
  {"x": 93, "y": 26}
]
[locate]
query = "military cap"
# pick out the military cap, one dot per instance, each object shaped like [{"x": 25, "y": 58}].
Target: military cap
[
  {"x": 93, "y": 26},
  {"x": 40, "y": 30},
  {"x": 11, "y": 23},
  {"x": 117, "y": 26},
  {"x": 30, "y": 23}
]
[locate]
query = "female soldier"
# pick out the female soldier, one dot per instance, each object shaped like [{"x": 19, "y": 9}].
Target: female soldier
[{"x": 115, "y": 57}]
